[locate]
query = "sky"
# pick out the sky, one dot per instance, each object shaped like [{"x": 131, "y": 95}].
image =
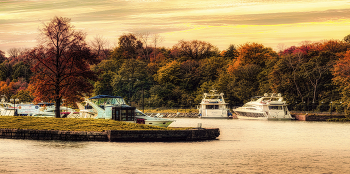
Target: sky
[{"x": 219, "y": 22}]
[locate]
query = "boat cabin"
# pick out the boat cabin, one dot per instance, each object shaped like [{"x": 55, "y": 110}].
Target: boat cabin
[
  {"x": 213, "y": 106},
  {"x": 123, "y": 113}
]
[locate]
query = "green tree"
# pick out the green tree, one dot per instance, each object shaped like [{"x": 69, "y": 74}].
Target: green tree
[
  {"x": 195, "y": 49},
  {"x": 2, "y": 56},
  {"x": 21, "y": 70},
  {"x": 347, "y": 38},
  {"x": 5, "y": 71},
  {"x": 189, "y": 71},
  {"x": 24, "y": 96},
  {"x": 210, "y": 68},
  {"x": 128, "y": 46},
  {"x": 104, "y": 86},
  {"x": 169, "y": 73},
  {"x": 130, "y": 79},
  {"x": 231, "y": 52}
]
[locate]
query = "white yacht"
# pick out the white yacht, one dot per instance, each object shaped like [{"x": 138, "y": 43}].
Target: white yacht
[
  {"x": 114, "y": 107},
  {"x": 213, "y": 106},
  {"x": 154, "y": 121},
  {"x": 7, "y": 109},
  {"x": 269, "y": 107}
]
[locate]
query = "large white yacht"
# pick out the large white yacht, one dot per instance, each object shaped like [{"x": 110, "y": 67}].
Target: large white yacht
[
  {"x": 213, "y": 106},
  {"x": 114, "y": 107},
  {"x": 269, "y": 107}
]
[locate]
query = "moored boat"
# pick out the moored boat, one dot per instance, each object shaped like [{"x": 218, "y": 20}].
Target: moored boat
[
  {"x": 43, "y": 109},
  {"x": 268, "y": 107},
  {"x": 114, "y": 107},
  {"x": 213, "y": 106}
]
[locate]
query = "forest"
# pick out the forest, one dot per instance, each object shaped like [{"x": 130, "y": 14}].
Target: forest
[{"x": 310, "y": 76}]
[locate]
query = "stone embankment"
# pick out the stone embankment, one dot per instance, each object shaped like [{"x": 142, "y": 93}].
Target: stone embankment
[
  {"x": 316, "y": 117},
  {"x": 175, "y": 115},
  {"x": 179, "y": 115},
  {"x": 196, "y": 134}
]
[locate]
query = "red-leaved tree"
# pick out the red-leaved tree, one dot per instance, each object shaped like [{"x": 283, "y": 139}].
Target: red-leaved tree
[{"x": 61, "y": 64}]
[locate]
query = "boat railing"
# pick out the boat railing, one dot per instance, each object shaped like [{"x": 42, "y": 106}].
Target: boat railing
[
  {"x": 212, "y": 101},
  {"x": 96, "y": 107}
]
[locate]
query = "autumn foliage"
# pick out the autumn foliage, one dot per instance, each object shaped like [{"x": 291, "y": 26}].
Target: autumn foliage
[
  {"x": 61, "y": 65},
  {"x": 311, "y": 75},
  {"x": 341, "y": 75}
]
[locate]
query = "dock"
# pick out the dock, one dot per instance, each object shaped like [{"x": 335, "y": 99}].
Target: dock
[{"x": 195, "y": 134}]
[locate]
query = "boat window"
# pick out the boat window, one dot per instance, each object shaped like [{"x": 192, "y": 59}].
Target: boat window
[
  {"x": 212, "y": 106},
  {"x": 250, "y": 114},
  {"x": 266, "y": 99},
  {"x": 275, "y": 107},
  {"x": 248, "y": 106},
  {"x": 123, "y": 115}
]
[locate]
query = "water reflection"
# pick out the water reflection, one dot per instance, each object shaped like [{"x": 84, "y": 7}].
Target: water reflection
[
  {"x": 60, "y": 144},
  {"x": 242, "y": 147}
]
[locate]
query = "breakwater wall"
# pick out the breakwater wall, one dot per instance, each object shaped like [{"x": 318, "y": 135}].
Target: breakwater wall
[
  {"x": 316, "y": 117},
  {"x": 175, "y": 115},
  {"x": 113, "y": 135}
]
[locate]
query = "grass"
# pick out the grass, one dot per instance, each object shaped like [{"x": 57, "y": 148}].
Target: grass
[{"x": 72, "y": 124}]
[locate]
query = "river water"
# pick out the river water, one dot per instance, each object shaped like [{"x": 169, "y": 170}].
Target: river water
[{"x": 244, "y": 146}]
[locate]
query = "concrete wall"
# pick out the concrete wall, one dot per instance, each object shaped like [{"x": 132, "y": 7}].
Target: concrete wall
[
  {"x": 52, "y": 135},
  {"x": 164, "y": 135},
  {"x": 113, "y": 135},
  {"x": 314, "y": 117}
]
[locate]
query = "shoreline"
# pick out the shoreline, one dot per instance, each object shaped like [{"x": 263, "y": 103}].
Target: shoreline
[
  {"x": 297, "y": 116},
  {"x": 318, "y": 117}
]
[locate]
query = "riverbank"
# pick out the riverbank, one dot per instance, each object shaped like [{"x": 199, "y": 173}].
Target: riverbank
[{"x": 297, "y": 115}]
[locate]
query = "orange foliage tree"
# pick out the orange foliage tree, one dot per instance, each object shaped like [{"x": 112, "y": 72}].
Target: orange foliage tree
[
  {"x": 61, "y": 64},
  {"x": 254, "y": 53},
  {"x": 341, "y": 77}
]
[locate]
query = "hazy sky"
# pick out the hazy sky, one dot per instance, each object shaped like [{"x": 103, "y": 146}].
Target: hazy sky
[{"x": 220, "y": 22}]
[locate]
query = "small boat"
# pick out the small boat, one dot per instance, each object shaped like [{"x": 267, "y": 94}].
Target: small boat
[
  {"x": 154, "y": 121},
  {"x": 44, "y": 109},
  {"x": 213, "y": 106},
  {"x": 268, "y": 107},
  {"x": 7, "y": 109},
  {"x": 114, "y": 107}
]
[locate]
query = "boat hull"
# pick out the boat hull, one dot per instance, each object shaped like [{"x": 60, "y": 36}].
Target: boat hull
[
  {"x": 216, "y": 117},
  {"x": 153, "y": 121},
  {"x": 259, "y": 115},
  {"x": 158, "y": 123},
  {"x": 261, "y": 118}
]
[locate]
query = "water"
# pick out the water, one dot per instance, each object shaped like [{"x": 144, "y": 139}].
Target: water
[{"x": 244, "y": 146}]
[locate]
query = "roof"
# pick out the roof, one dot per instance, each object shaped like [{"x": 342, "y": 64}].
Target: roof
[{"x": 104, "y": 96}]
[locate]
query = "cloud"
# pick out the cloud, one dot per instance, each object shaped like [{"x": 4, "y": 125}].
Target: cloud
[{"x": 221, "y": 22}]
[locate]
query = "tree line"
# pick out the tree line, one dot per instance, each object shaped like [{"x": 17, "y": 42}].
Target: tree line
[{"x": 311, "y": 76}]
